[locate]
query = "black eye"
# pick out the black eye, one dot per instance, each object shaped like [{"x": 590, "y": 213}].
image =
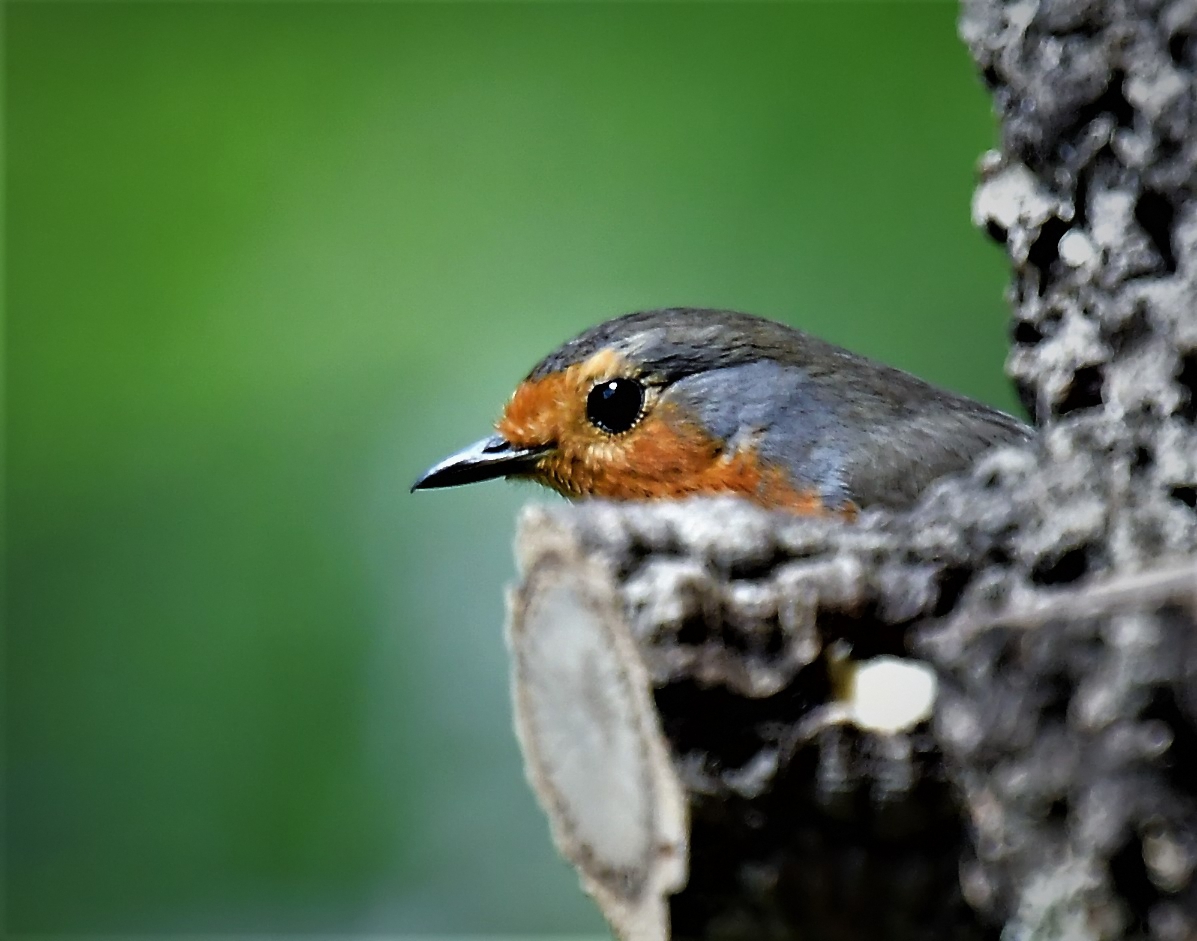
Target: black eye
[{"x": 615, "y": 406}]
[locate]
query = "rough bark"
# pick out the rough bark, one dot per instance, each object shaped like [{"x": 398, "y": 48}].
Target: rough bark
[{"x": 1044, "y": 605}]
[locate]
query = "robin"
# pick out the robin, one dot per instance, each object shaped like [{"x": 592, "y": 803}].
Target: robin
[{"x": 688, "y": 402}]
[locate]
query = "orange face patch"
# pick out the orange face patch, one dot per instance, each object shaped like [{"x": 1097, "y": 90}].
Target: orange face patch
[
  {"x": 665, "y": 455},
  {"x": 552, "y": 410}
]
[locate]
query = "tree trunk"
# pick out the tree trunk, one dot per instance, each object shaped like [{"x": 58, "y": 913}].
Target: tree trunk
[{"x": 977, "y": 715}]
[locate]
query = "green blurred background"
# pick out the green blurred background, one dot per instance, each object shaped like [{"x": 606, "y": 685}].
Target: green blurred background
[{"x": 268, "y": 261}]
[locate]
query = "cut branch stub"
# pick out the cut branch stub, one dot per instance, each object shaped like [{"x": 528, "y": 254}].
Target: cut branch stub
[{"x": 592, "y": 742}]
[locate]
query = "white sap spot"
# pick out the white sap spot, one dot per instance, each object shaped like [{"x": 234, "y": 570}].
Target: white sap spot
[
  {"x": 889, "y": 694},
  {"x": 1076, "y": 250}
]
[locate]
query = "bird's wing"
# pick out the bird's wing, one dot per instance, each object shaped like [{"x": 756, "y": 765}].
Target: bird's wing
[{"x": 892, "y": 464}]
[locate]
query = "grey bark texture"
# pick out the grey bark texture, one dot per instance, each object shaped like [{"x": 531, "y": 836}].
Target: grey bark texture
[{"x": 1051, "y": 592}]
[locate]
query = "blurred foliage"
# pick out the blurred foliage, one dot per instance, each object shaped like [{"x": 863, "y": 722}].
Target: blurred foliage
[{"x": 268, "y": 261}]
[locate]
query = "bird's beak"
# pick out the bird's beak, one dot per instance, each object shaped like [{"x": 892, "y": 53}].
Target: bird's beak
[{"x": 491, "y": 457}]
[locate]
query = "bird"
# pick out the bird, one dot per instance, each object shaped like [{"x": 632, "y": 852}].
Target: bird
[{"x": 684, "y": 402}]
